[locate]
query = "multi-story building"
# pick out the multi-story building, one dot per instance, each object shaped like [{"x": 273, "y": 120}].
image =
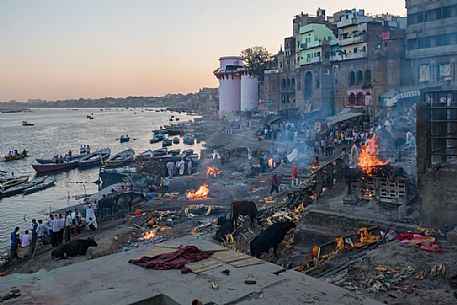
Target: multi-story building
[{"x": 431, "y": 41}]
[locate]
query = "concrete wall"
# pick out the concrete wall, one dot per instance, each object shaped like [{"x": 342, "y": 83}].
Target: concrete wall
[{"x": 249, "y": 93}]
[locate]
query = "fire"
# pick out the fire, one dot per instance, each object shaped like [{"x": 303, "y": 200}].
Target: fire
[
  {"x": 270, "y": 162},
  {"x": 200, "y": 193},
  {"x": 149, "y": 234},
  {"x": 213, "y": 171},
  {"x": 368, "y": 158},
  {"x": 164, "y": 228}
]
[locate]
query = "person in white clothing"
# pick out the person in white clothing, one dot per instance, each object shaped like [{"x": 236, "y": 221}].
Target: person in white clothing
[{"x": 26, "y": 243}]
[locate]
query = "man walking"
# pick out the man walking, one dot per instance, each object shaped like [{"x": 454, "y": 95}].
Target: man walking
[
  {"x": 14, "y": 241},
  {"x": 34, "y": 234},
  {"x": 55, "y": 230},
  {"x": 274, "y": 183},
  {"x": 67, "y": 230},
  {"x": 189, "y": 167},
  {"x": 294, "y": 175}
]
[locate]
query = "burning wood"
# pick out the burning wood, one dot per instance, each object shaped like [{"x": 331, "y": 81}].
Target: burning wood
[
  {"x": 213, "y": 171},
  {"x": 368, "y": 158},
  {"x": 149, "y": 234},
  {"x": 270, "y": 162},
  {"x": 200, "y": 193}
]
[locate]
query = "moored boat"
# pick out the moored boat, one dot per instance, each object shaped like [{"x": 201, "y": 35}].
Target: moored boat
[
  {"x": 176, "y": 140},
  {"x": 51, "y": 161},
  {"x": 189, "y": 140},
  {"x": 95, "y": 158},
  {"x": 47, "y": 182},
  {"x": 55, "y": 167},
  {"x": 166, "y": 142},
  {"x": 25, "y": 123},
  {"x": 120, "y": 159},
  {"x": 13, "y": 182},
  {"x": 160, "y": 152},
  {"x": 174, "y": 152},
  {"x": 21, "y": 187},
  {"x": 16, "y": 156}
]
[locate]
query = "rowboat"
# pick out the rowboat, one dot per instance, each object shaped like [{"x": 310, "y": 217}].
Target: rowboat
[
  {"x": 95, "y": 158},
  {"x": 55, "y": 167},
  {"x": 13, "y": 182},
  {"x": 120, "y": 159},
  {"x": 25, "y": 123},
  {"x": 174, "y": 152},
  {"x": 21, "y": 187},
  {"x": 124, "y": 138},
  {"x": 176, "y": 140},
  {"x": 18, "y": 156},
  {"x": 52, "y": 161},
  {"x": 166, "y": 142},
  {"x": 47, "y": 182},
  {"x": 189, "y": 140}
]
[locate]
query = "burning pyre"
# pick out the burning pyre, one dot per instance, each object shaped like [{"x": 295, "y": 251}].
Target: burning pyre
[
  {"x": 368, "y": 158},
  {"x": 200, "y": 193},
  {"x": 149, "y": 234},
  {"x": 213, "y": 171}
]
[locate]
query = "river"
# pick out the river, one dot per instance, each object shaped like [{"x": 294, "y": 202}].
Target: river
[{"x": 55, "y": 132}]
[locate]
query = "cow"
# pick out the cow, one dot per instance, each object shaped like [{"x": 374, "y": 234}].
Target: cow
[
  {"x": 106, "y": 204},
  {"x": 125, "y": 201},
  {"x": 244, "y": 207},
  {"x": 225, "y": 229},
  {"x": 270, "y": 238},
  {"x": 73, "y": 248}
]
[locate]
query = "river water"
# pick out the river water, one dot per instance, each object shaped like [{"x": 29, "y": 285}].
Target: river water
[{"x": 55, "y": 132}]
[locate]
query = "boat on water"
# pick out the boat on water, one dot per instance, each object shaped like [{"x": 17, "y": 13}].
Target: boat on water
[
  {"x": 47, "y": 182},
  {"x": 95, "y": 158},
  {"x": 120, "y": 159},
  {"x": 160, "y": 152},
  {"x": 157, "y": 138},
  {"x": 55, "y": 167},
  {"x": 89, "y": 117},
  {"x": 189, "y": 140},
  {"x": 16, "y": 156},
  {"x": 176, "y": 140},
  {"x": 21, "y": 187},
  {"x": 174, "y": 152},
  {"x": 25, "y": 123},
  {"x": 166, "y": 142},
  {"x": 52, "y": 161},
  {"x": 13, "y": 182},
  {"x": 124, "y": 138},
  {"x": 145, "y": 155}
]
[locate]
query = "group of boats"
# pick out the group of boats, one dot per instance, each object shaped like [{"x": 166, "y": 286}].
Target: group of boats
[
  {"x": 97, "y": 158},
  {"x": 161, "y": 135},
  {"x": 10, "y": 186}
]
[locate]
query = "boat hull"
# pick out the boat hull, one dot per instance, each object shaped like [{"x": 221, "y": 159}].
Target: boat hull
[{"x": 54, "y": 167}]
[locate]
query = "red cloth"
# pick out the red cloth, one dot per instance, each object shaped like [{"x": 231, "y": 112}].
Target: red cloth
[
  {"x": 173, "y": 260},
  {"x": 408, "y": 235},
  {"x": 294, "y": 172},
  {"x": 431, "y": 247}
]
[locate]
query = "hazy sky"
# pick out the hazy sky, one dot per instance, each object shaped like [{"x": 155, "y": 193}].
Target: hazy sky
[{"x": 57, "y": 49}]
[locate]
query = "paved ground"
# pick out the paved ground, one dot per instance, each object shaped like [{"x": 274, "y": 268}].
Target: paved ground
[{"x": 112, "y": 280}]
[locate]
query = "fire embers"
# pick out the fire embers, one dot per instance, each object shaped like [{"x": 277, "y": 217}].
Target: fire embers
[
  {"x": 149, "y": 234},
  {"x": 368, "y": 158},
  {"x": 213, "y": 172},
  {"x": 201, "y": 193}
]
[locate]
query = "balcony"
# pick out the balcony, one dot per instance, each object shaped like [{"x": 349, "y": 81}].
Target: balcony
[
  {"x": 352, "y": 40},
  {"x": 354, "y": 55},
  {"x": 432, "y": 52}
]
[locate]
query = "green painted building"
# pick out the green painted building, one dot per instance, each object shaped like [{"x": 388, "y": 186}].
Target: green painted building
[{"x": 312, "y": 37}]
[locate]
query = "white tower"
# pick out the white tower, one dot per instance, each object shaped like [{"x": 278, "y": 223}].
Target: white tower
[
  {"x": 249, "y": 92},
  {"x": 229, "y": 75}
]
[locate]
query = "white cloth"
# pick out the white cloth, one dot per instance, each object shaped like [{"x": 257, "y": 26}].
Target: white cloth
[
  {"x": 56, "y": 225},
  {"x": 26, "y": 240},
  {"x": 89, "y": 212}
]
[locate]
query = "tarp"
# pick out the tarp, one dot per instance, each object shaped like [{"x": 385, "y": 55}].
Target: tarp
[
  {"x": 341, "y": 117},
  {"x": 271, "y": 119}
]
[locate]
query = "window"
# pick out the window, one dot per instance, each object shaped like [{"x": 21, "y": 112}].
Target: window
[
  {"x": 444, "y": 71},
  {"x": 424, "y": 73},
  {"x": 355, "y": 50},
  {"x": 359, "y": 78},
  {"x": 308, "y": 85},
  {"x": 367, "y": 78},
  {"x": 352, "y": 78},
  {"x": 283, "y": 84}
]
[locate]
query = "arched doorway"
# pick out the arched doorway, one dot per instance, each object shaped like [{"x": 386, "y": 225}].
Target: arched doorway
[
  {"x": 359, "y": 78},
  {"x": 352, "y": 99},
  {"x": 360, "y": 99}
]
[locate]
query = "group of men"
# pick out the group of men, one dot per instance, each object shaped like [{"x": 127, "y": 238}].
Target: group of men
[{"x": 179, "y": 167}]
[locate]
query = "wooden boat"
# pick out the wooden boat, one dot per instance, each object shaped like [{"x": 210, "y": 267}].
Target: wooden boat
[
  {"x": 145, "y": 155},
  {"x": 13, "y": 182},
  {"x": 25, "y": 123},
  {"x": 52, "y": 161},
  {"x": 94, "y": 159},
  {"x": 55, "y": 167},
  {"x": 176, "y": 140},
  {"x": 120, "y": 159},
  {"x": 47, "y": 182},
  {"x": 189, "y": 140},
  {"x": 156, "y": 140},
  {"x": 124, "y": 138},
  {"x": 19, "y": 156},
  {"x": 166, "y": 142},
  {"x": 160, "y": 152},
  {"x": 21, "y": 187},
  {"x": 174, "y": 152}
]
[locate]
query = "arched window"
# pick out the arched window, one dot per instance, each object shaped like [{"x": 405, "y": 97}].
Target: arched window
[
  {"x": 367, "y": 78},
  {"x": 283, "y": 84},
  {"x": 293, "y": 84},
  {"x": 288, "y": 84},
  {"x": 308, "y": 85},
  {"x": 352, "y": 78},
  {"x": 352, "y": 99},
  {"x": 360, "y": 99},
  {"x": 359, "y": 78}
]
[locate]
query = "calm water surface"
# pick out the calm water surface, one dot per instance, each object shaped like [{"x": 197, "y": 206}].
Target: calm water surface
[{"x": 55, "y": 132}]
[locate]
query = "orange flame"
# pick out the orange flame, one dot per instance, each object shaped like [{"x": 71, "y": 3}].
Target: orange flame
[
  {"x": 368, "y": 158},
  {"x": 213, "y": 171},
  {"x": 149, "y": 234},
  {"x": 270, "y": 162},
  {"x": 200, "y": 193},
  {"x": 164, "y": 228}
]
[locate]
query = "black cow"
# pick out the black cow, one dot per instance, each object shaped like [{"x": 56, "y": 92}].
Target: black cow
[
  {"x": 222, "y": 220},
  {"x": 224, "y": 229},
  {"x": 105, "y": 205},
  {"x": 271, "y": 237},
  {"x": 125, "y": 201},
  {"x": 73, "y": 248},
  {"x": 244, "y": 207}
]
